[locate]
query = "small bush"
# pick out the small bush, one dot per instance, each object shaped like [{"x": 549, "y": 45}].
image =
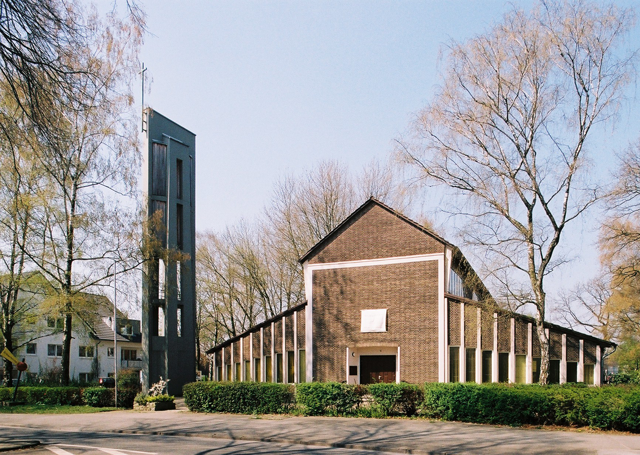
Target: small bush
[
  {"x": 161, "y": 399},
  {"x": 329, "y": 398},
  {"x": 239, "y": 397},
  {"x": 98, "y": 397},
  {"x": 128, "y": 387},
  {"x": 71, "y": 396}
]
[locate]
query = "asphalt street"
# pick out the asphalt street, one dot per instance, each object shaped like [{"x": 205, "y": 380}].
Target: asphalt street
[{"x": 183, "y": 432}]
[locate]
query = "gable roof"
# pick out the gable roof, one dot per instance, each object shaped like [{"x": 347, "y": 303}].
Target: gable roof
[{"x": 371, "y": 201}]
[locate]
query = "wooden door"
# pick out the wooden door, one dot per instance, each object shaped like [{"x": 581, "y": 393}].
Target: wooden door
[{"x": 377, "y": 368}]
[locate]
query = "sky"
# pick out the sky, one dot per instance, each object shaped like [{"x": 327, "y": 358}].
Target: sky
[{"x": 271, "y": 88}]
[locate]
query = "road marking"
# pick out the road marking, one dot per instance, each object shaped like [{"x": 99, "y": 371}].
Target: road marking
[
  {"x": 58, "y": 450},
  {"x": 102, "y": 449}
]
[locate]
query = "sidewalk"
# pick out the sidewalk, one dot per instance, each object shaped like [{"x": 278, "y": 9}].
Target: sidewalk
[{"x": 392, "y": 435}]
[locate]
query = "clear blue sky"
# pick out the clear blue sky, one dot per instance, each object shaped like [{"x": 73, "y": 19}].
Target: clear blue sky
[{"x": 272, "y": 87}]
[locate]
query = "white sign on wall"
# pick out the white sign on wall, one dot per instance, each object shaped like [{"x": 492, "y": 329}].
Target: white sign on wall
[{"x": 373, "y": 321}]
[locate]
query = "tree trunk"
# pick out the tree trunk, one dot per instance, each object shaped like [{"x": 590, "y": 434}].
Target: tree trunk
[{"x": 66, "y": 349}]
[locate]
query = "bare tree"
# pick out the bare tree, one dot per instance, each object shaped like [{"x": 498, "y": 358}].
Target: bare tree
[
  {"x": 250, "y": 272},
  {"x": 508, "y": 131}
]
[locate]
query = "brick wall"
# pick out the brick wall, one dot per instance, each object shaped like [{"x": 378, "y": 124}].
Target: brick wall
[
  {"x": 376, "y": 233},
  {"x": 454, "y": 323},
  {"x": 555, "y": 345},
  {"x": 409, "y": 292},
  {"x": 522, "y": 334},
  {"x": 504, "y": 333},
  {"x": 470, "y": 326},
  {"x": 573, "y": 349},
  {"x": 487, "y": 330}
]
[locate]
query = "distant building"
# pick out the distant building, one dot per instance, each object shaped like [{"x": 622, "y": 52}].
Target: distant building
[
  {"x": 92, "y": 353},
  {"x": 388, "y": 300}
]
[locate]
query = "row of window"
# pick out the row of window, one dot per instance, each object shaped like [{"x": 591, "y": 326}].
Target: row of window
[
  {"x": 503, "y": 368},
  {"x": 235, "y": 373},
  {"x": 55, "y": 350},
  {"x": 158, "y": 328}
]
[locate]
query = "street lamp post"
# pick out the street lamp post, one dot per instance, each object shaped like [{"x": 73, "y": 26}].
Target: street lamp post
[{"x": 115, "y": 334}]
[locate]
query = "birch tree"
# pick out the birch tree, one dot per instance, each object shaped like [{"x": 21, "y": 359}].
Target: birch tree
[
  {"x": 90, "y": 166},
  {"x": 508, "y": 131}
]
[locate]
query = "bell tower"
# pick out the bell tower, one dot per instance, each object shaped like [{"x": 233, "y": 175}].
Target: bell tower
[{"x": 168, "y": 279}]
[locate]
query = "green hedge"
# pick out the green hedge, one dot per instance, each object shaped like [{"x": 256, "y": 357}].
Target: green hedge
[
  {"x": 329, "y": 398},
  {"x": 396, "y": 399},
  {"x": 98, "y": 397},
  {"x": 44, "y": 395},
  {"x": 239, "y": 397},
  {"x": 574, "y": 405}
]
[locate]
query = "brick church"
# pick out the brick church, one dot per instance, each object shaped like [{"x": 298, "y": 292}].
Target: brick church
[{"x": 388, "y": 300}]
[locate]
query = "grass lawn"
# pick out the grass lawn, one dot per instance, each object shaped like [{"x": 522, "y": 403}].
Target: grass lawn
[{"x": 51, "y": 409}]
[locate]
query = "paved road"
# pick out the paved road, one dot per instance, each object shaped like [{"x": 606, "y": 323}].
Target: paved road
[
  {"x": 74, "y": 443},
  {"x": 382, "y": 435}
]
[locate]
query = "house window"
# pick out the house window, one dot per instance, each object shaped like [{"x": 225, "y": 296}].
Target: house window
[
  {"x": 218, "y": 374},
  {"x": 589, "y": 374},
  {"x": 55, "y": 323},
  {"x": 85, "y": 351},
  {"x": 521, "y": 369},
  {"x": 256, "y": 370},
  {"x": 109, "y": 352},
  {"x": 85, "y": 377},
  {"x": 572, "y": 371},
  {"x": 54, "y": 350},
  {"x": 31, "y": 348},
  {"x": 158, "y": 328},
  {"x": 228, "y": 372},
  {"x": 454, "y": 364},
  {"x": 179, "y": 320},
  {"x": 237, "y": 377},
  {"x": 471, "y": 365},
  {"x": 247, "y": 370},
  {"x": 487, "y": 361},
  {"x": 291, "y": 367},
  {"x": 503, "y": 367},
  {"x": 129, "y": 354}
]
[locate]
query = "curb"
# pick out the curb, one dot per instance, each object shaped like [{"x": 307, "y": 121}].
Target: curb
[{"x": 17, "y": 445}]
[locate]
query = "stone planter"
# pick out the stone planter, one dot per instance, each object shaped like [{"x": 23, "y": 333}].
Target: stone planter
[{"x": 155, "y": 406}]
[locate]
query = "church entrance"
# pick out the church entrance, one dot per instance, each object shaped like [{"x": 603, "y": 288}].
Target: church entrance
[{"x": 377, "y": 368}]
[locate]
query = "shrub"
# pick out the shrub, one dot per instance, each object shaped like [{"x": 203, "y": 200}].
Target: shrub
[
  {"x": 128, "y": 387},
  {"x": 143, "y": 398},
  {"x": 396, "y": 399},
  {"x": 239, "y": 397},
  {"x": 329, "y": 398},
  {"x": 98, "y": 397}
]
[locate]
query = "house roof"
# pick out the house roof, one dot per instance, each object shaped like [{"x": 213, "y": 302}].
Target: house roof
[{"x": 371, "y": 201}]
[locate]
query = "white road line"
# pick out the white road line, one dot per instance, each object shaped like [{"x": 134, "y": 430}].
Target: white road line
[
  {"x": 106, "y": 449},
  {"x": 58, "y": 450}
]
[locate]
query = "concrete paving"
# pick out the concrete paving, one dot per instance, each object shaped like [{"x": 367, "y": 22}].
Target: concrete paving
[{"x": 415, "y": 436}]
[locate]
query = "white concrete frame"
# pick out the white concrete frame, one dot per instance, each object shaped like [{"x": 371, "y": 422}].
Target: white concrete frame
[
  {"x": 442, "y": 304},
  {"x": 529, "y": 379},
  {"x": 274, "y": 367},
  {"x": 462, "y": 354},
  {"x": 479, "y": 347},
  {"x": 495, "y": 371},
  {"x": 563, "y": 360},
  {"x": 224, "y": 369},
  {"x": 252, "y": 373},
  {"x": 581, "y": 362},
  {"x": 512, "y": 352},
  {"x": 285, "y": 363},
  {"x": 262, "y": 362}
]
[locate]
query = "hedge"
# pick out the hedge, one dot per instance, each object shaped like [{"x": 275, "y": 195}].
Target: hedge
[
  {"x": 239, "y": 397},
  {"x": 44, "y": 395},
  {"x": 329, "y": 398},
  {"x": 605, "y": 407},
  {"x": 615, "y": 408}
]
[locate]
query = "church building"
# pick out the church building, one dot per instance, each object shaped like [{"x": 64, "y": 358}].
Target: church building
[{"x": 388, "y": 300}]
